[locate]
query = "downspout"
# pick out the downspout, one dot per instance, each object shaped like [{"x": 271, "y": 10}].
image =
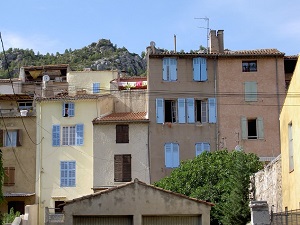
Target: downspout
[
  {"x": 217, "y": 108},
  {"x": 278, "y": 102},
  {"x": 149, "y": 153}
]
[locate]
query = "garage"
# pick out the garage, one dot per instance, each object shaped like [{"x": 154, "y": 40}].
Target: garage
[
  {"x": 101, "y": 220},
  {"x": 174, "y": 220}
]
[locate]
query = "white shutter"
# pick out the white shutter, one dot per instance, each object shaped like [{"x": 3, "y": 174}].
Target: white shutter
[
  {"x": 190, "y": 110},
  {"x": 181, "y": 110},
  {"x": 159, "y": 110}
]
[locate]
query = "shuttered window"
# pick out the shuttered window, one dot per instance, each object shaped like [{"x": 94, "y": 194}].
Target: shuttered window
[
  {"x": 171, "y": 155},
  {"x": 9, "y": 176},
  {"x": 96, "y": 88},
  {"x": 181, "y": 110},
  {"x": 122, "y": 168},
  {"x": 199, "y": 69},
  {"x": 68, "y": 109},
  {"x": 202, "y": 147},
  {"x": 122, "y": 133},
  {"x": 212, "y": 110},
  {"x": 10, "y": 138},
  {"x": 251, "y": 91},
  {"x": 252, "y": 128},
  {"x": 67, "y": 173},
  {"x": 169, "y": 69}
]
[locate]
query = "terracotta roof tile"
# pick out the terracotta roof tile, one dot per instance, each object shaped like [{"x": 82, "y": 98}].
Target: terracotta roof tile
[
  {"x": 70, "y": 98},
  {"x": 127, "y": 116}
]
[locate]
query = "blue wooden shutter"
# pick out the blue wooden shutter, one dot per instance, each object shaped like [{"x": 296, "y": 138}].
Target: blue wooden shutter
[
  {"x": 71, "y": 109},
  {"x": 55, "y": 135},
  {"x": 175, "y": 155},
  {"x": 72, "y": 174},
  {"x": 212, "y": 110},
  {"x": 196, "y": 69},
  {"x": 198, "y": 148},
  {"x": 190, "y": 110},
  {"x": 168, "y": 155},
  {"x": 260, "y": 128},
  {"x": 202, "y": 147},
  {"x": 206, "y": 147},
  {"x": 173, "y": 69},
  {"x": 159, "y": 110},
  {"x": 96, "y": 87},
  {"x": 251, "y": 91},
  {"x": 63, "y": 174},
  {"x": 203, "y": 76},
  {"x": 166, "y": 69},
  {"x": 181, "y": 110},
  {"x": 244, "y": 126},
  {"x": 79, "y": 134}
]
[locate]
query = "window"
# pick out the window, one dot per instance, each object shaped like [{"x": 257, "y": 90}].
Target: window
[
  {"x": 252, "y": 128},
  {"x": 25, "y": 105},
  {"x": 122, "y": 133},
  {"x": 186, "y": 110},
  {"x": 171, "y": 155},
  {"x": 169, "y": 69},
  {"x": 71, "y": 135},
  {"x": 10, "y": 138},
  {"x": 251, "y": 91},
  {"x": 122, "y": 168},
  {"x": 96, "y": 88},
  {"x": 291, "y": 151},
  {"x": 59, "y": 206},
  {"x": 67, "y": 173},
  {"x": 18, "y": 206},
  {"x": 249, "y": 66},
  {"x": 68, "y": 109},
  {"x": 199, "y": 69},
  {"x": 9, "y": 176},
  {"x": 202, "y": 147}
]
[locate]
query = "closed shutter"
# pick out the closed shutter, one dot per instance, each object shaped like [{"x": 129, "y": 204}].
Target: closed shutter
[
  {"x": 55, "y": 135},
  {"x": 19, "y": 137},
  {"x": 96, "y": 87},
  {"x": 175, "y": 155},
  {"x": 190, "y": 110},
  {"x": 212, "y": 110},
  {"x": 260, "y": 128},
  {"x": 203, "y": 69},
  {"x": 172, "y": 219},
  {"x": 122, "y": 133},
  {"x": 72, "y": 173},
  {"x": 173, "y": 69},
  {"x": 202, "y": 147},
  {"x": 244, "y": 125},
  {"x": 168, "y": 155},
  {"x": 196, "y": 69},
  {"x": 79, "y": 134},
  {"x": 250, "y": 91},
  {"x": 67, "y": 173},
  {"x": 166, "y": 69},
  {"x": 181, "y": 110},
  {"x": 103, "y": 220},
  {"x": 122, "y": 168},
  {"x": 159, "y": 110},
  {"x": 71, "y": 109},
  {"x": 9, "y": 176}
]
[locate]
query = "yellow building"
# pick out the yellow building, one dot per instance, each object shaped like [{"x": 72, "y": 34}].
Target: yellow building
[{"x": 290, "y": 144}]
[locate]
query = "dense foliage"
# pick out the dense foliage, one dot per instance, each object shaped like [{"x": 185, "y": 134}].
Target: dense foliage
[
  {"x": 102, "y": 55},
  {"x": 220, "y": 177},
  {"x": 9, "y": 217}
]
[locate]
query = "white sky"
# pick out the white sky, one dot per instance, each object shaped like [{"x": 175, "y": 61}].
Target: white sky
[{"x": 55, "y": 25}]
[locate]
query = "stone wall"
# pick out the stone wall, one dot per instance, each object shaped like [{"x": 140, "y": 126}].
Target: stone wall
[{"x": 268, "y": 185}]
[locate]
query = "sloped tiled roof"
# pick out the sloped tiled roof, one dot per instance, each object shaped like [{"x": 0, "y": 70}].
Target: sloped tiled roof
[
  {"x": 123, "y": 117},
  {"x": 15, "y": 97}
]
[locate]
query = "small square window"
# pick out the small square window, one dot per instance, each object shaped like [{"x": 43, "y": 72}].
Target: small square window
[
  {"x": 249, "y": 66},
  {"x": 122, "y": 133}
]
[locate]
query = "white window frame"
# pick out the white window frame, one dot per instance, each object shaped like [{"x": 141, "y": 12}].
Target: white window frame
[
  {"x": 68, "y": 135},
  {"x": 10, "y": 138}
]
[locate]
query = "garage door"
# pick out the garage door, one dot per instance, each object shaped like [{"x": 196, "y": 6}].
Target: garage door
[
  {"x": 101, "y": 220},
  {"x": 174, "y": 220}
]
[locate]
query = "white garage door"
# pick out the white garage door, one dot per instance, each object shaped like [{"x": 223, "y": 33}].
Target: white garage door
[
  {"x": 174, "y": 220},
  {"x": 102, "y": 220}
]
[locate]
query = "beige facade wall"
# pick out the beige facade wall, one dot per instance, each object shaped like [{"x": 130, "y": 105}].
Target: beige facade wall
[
  {"x": 22, "y": 158},
  {"x": 130, "y": 101},
  {"x": 232, "y": 105},
  {"x": 83, "y": 80},
  {"x": 137, "y": 200},
  {"x": 48, "y": 188},
  {"x": 186, "y": 135},
  {"x": 105, "y": 147},
  {"x": 290, "y": 115}
]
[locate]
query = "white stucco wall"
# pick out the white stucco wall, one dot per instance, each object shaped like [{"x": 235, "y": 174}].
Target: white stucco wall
[
  {"x": 83, "y": 80},
  {"x": 105, "y": 147},
  {"x": 48, "y": 188}
]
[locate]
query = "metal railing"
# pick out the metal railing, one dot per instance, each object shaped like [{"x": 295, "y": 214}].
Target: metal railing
[{"x": 291, "y": 217}]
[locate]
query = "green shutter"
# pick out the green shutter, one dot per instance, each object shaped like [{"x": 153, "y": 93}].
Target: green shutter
[
  {"x": 260, "y": 128},
  {"x": 251, "y": 91},
  {"x": 244, "y": 128}
]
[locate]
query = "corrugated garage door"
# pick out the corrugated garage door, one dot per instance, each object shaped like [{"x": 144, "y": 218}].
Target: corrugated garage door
[
  {"x": 174, "y": 220},
  {"x": 101, "y": 220}
]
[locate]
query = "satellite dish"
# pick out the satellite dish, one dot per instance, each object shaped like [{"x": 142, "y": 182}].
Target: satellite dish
[
  {"x": 46, "y": 78},
  {"x": 238, "y": 148}
]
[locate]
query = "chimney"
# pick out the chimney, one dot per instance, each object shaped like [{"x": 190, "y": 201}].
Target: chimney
[{"x": 216, "y": 44}]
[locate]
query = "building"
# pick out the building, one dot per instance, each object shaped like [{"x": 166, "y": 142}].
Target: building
[
  {"x": 137, "y": 203},
  {"x": 290, "y": 144}
]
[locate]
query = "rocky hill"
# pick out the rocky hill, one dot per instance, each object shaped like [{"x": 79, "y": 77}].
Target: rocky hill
[{"x": 102, "y": 55}]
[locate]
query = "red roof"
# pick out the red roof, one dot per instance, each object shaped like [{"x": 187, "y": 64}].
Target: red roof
[{"x": 123, "y": 117}]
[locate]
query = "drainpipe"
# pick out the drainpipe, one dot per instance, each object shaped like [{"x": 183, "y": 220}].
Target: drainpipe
[
  {"x": 217, "y": 108},
  {"x": 278, "y": 101}
]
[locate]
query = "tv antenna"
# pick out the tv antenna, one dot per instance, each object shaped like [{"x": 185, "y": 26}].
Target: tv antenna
[{"x": 207, "y": 29}]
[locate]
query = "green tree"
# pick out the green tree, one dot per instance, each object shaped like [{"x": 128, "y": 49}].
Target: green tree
[{"x": 220, "y": 177}]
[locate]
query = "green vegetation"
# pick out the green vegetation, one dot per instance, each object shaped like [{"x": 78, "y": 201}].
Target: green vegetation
[
  {"x": 220, "y": 177},
  {"x": 9, "y": 217},
  {"x": 102, "y": 55}
]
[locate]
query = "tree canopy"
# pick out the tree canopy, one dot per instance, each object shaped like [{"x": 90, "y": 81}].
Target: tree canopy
[{"x": 221, "y": 177}]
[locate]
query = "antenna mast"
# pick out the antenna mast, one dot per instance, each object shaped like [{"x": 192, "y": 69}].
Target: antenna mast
[{"x": 207, "y": 29}]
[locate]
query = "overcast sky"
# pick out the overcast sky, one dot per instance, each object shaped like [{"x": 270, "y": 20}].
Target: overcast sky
[{"x": 55, "y": 25}]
